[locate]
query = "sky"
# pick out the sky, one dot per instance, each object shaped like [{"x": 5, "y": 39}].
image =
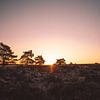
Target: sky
[{"x": 55, "y": 29}]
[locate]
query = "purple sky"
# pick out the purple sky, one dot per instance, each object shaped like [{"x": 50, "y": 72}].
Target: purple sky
[{"x": 53, "y": 28}]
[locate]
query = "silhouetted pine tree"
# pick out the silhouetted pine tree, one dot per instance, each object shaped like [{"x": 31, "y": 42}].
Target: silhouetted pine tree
[
  {"x": 26, "y": 58},
  {"x": 6, "y": 54},
  {"x": 39, "y": 60}
]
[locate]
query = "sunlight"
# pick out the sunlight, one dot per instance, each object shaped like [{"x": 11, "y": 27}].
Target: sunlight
[
  {"x": 52, "y": 56},
  {"x": 52, "y": 68},
  {"x": 18, "y": 62},
  {"x": 50, "y": 60}
]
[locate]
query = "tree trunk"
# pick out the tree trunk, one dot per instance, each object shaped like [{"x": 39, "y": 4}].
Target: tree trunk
[{"x": 3, "y": 61}]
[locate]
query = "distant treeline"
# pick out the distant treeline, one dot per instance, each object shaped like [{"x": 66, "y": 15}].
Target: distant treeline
[{"x": 7, "y": 56}]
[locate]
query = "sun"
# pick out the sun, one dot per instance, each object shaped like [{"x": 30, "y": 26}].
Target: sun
[
  {"x": 51, "y": 54},
  {"x": 50, "y": 60}
]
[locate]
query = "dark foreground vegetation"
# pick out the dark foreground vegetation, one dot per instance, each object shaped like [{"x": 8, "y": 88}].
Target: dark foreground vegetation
[{"x": 70, "y": 82}]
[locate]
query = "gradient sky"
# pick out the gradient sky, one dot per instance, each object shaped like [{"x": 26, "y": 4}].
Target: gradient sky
[{"x": 67, "y": 29}]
